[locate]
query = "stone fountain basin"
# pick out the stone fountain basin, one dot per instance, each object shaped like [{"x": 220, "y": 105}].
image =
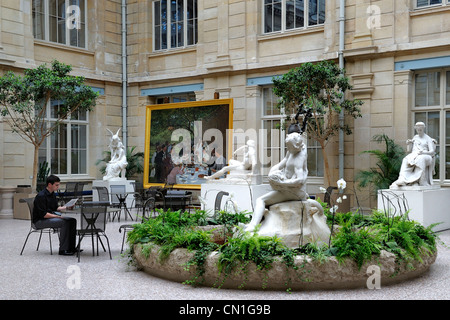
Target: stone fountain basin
[{"x": 311, "y": 274}]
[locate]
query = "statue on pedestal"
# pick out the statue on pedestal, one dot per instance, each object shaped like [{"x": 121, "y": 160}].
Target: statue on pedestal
[
  {"x": 116, "y": 167},
  {"x": 418, "y": 166}
]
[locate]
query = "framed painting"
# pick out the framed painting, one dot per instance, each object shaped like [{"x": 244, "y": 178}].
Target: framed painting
[{"x": 184, "y": 142}]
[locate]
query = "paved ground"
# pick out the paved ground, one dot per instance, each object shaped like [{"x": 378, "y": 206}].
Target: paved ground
[{"x": 37, "y": 275}]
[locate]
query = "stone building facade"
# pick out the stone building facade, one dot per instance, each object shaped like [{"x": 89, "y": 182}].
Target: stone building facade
[{"x": 396, "y": 53}]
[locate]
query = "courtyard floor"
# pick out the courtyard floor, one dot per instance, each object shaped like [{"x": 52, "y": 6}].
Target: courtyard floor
[{"x": 37, "y": 275}]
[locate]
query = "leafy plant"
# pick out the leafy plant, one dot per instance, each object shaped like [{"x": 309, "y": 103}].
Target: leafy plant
[
  {"x": 24, "y": 101},
  {"x": 42, "y": 175},
  {"x": 387, "y": 167},
  {"x": 359, "y": 237},
  {"x": 360, "y": 244}
]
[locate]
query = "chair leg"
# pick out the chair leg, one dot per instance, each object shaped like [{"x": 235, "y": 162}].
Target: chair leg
[
  {"x": 39, "y": 242},
  {"x": 26, "y": 240},
  {"x": 79, "y": 245},
  {"x": 50, "y": 239},
  {"x": 123, "y": 240},
  {"x": 109, "y": 249}
]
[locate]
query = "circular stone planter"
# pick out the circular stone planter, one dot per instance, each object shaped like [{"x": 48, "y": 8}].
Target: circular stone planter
[{"x": 311, "y": 274}]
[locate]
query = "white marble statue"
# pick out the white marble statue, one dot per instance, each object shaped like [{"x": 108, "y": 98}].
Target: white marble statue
[
  {"x": 116, "y": 167},
  {"x": 418, "y": 166},
  {"x": 287, "y": 179},
  {"x": 247, "y": 165},
  {"x": 286, "y": 211}
]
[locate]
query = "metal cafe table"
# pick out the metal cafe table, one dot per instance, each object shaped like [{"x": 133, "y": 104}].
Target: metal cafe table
[
  {"x": 92, "y": 217},
  {"x": 177, "y": 200}
]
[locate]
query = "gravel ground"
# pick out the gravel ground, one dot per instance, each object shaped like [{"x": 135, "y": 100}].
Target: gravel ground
[{"x": 37, "y": 275}]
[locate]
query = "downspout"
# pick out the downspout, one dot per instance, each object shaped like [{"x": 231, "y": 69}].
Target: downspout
[
  {"x": 124, "y": 74},
  {"x": 341, "y": 65}
]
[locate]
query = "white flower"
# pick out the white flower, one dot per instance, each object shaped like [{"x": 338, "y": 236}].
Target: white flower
[
  {"x": 202, "y": 200},
  {"x": 339, "y": 200},
  {"x": 333, "y": 209},
  {"x": 322, "y": 189},
  {"x": 341, "y": 184},
  {"x": 344, "y": 197}
]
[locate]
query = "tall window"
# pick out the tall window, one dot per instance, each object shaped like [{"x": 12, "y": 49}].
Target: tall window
[
  {"x": 66, "y": 148},
  {"x": 283, "y": 15},
  {"x": 174, "y": 24},
  {"x": 432, "y": 106},
  {"x": 273, "y": 148},
  {"x": 60, "y": 21}
]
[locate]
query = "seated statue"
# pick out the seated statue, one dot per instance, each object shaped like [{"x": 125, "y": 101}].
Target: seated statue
[
  {"x": 418, "y": 166},
  {"x": 287, "y": 179},
  {"x": 117, "y": 165},
  {"x": 247, "y": 164}
]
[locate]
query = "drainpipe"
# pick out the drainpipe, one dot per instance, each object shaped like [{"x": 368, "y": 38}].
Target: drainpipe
[
  {"x": 341, "y": 65},
  {"x": 124, "y": 74}
]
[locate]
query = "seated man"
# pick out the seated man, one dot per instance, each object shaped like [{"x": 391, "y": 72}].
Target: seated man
[{"x": 44, "y": 216}]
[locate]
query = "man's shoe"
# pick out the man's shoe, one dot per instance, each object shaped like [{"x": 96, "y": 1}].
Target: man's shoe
[{"x": 66, "y": 253}]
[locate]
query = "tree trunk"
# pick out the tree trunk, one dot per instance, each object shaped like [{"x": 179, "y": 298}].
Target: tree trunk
[
  {"x": 35, "y": 168},
  {"x": 325, "y": 163}
]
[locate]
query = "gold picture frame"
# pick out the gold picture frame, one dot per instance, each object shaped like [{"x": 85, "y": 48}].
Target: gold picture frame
[{"x": 189, "y": 135}]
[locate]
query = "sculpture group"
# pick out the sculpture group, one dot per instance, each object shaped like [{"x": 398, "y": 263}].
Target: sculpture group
[{"x": 286, "y": 211}]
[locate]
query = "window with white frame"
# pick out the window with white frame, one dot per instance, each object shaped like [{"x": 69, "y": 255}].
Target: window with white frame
[
  {"x": 66, "y": 148},
  {"x": 273, "y": 147},
  {"x": 428, "y": 3},
  {"x": 60, "y": 21},
  {"x": 174, "y": 24},
  {"x": 283, "y": 15},
  {"x": 432, "y": 106}
]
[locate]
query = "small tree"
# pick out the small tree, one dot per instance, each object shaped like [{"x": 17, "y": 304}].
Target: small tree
[
  {"x": 320, "y": 87},
  {"x": 24, "y": 101}
]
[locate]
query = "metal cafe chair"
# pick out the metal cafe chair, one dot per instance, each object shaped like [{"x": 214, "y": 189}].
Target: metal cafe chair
[
  {"x": 103, "y": 196},
  {"x": 34, "y": 229},
  {"x": 93, "y": 224},
  {"x": 148, "y": 207}
]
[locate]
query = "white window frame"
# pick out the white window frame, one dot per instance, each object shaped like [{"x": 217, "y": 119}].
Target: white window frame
[
  {"x": 283, "y": 18},
  {"x": 67, "y": 30},
  {"x": 169, "y": 29},
  {"x": 443, "y": 3},
  {"x": 443, "y": 108},
  {"x": 48, "y": 150}
]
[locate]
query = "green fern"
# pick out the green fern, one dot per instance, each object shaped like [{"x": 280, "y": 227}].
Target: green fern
[{"x": 387, "y": 166}]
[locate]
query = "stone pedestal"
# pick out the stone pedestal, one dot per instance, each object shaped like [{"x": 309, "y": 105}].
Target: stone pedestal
[
  {"x": 427, "y": 205},
  {"x": 108, "y": 183},
  {"x": 7, "y": 201},
  {"x": 296, "y": 222},
  {"x": 243, "y": 194}
]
